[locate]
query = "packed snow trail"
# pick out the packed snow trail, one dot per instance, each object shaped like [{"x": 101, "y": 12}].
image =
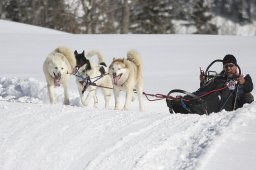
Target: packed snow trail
[
  {"x": 35, "y": 135},
  {"x": 42, "y": 136},
  {"x": 235, "y": 149}
]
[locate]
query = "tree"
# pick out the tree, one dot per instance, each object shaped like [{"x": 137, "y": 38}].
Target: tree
[
  {"x": 201, "y": 18},
  {"x": 1, "y": 8},
  {"x": 125, "y": 17},
  {"x": 12, "y": 10},
  {"x": 152, "y": 17},
  {"x": 239, "y": 11}
]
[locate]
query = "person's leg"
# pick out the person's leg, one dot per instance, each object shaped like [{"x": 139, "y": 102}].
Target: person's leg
[{"x": 246, "y": 98}]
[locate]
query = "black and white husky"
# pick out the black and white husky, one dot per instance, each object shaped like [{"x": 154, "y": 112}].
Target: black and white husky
[{"x": 88, "y": 72}]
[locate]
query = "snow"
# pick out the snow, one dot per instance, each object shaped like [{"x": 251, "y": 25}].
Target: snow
[
  {"x": 10, "y": 27},
  {"x": 225, "y": 27},
  {"x": 237, "y": 142},
  {"x": 37, "y": 135},
  {"x": 228, "y": 27}
]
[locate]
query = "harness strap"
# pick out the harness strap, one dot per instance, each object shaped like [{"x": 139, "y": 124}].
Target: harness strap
[
  {"x": 212, "y": 91},
  {"x": 86, "y": 81},
  {"x": 158, "y": 97},
  {"x": 169, "y": 97},
  {"x": 102, "y": 86}
]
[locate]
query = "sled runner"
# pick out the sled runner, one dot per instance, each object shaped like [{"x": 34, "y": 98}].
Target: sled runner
[{"x": 217, "y": 93}]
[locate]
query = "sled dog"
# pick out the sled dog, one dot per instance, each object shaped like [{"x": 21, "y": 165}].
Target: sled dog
[
  {"x": 126, "y": 75},
  {"x": 56, "y": 67},
  {"x": 96, "y": 73}
]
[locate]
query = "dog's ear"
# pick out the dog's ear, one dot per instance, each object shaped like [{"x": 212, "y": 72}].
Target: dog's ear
[
  {"x": 83, "y": 53},
  {"x": 75, "y": 52},
  {"x": 114, "y": 58},
  {"x": 102, "y": 70}
]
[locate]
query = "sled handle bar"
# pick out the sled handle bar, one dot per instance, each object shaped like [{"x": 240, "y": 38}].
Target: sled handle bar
[{"x": 218, "y": 60}]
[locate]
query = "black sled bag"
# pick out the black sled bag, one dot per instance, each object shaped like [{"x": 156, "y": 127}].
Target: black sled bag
[{"x": 211, "y": 97}]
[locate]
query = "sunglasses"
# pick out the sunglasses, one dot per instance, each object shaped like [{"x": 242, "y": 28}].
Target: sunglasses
[{"x": 229, "y": 65}]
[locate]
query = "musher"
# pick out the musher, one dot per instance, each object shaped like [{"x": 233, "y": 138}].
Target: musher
[{"x": 230, "y": 70}]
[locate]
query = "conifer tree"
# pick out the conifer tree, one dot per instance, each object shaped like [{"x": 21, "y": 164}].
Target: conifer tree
[{"x": 201, "y": 18}]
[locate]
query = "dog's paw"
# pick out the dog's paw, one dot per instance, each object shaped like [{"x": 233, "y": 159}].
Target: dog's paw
[{"x": 85, "y": 104}]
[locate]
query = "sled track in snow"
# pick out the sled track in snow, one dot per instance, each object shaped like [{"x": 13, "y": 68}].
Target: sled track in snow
[
  {"x": 105, "y": 139},
  {"x": 146, "y": 147}
]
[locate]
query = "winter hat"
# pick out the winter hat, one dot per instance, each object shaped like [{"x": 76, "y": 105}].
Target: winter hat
[{"x": 229, "y": 58}]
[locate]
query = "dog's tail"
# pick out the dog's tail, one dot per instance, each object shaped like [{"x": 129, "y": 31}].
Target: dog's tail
[
  {"x": 101, "y": 60},
  {"x": 134, "y": 57},
  {"x": 68, "y": 53}
]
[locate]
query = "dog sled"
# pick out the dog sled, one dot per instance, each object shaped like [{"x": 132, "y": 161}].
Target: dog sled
[{"x": 216, "y": 94}]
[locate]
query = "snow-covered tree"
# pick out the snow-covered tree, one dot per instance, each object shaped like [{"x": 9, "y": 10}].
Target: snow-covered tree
[
  {"x": 201, "y": 18},
  {"x": 152, "y": 16}
]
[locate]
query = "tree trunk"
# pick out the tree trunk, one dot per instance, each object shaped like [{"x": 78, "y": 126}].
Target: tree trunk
[
  {"x": 125, "y": 17},
  {"x": 1, "y": 9}
]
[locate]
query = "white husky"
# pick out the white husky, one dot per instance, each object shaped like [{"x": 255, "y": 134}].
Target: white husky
[
  {"x": 56, "y": 67},
  {"x": 126, "y": 75},
  {"x": 96, "y": 73}
]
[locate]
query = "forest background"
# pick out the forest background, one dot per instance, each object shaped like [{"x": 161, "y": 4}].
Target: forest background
[{"x": 221, "y": 17}]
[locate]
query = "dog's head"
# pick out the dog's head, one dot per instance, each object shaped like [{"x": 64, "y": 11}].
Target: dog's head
[
  {"x": 118, "y": 71},
  {"x": 80, "y": 59},
  {"x": 83, "y": 65},
  {"x": 58, "y": 68}
]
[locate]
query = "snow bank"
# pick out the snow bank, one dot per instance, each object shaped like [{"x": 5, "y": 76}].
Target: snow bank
[
  {"x": 30, "y": 90},
  {"x": 22, "y": 90}
]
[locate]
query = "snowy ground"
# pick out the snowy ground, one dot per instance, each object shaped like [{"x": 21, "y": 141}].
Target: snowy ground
[{"x": 36, "y": 135}]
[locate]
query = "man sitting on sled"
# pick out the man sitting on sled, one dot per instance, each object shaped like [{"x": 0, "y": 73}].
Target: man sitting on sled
[
  {"x": 227, "y": 90},
  {"x": 230, "y": 70}
]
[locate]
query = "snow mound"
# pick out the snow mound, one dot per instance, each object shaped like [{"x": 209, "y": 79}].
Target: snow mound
[
  {"x": 30, "y": 90},
  {"x": 22, "y": 90}
]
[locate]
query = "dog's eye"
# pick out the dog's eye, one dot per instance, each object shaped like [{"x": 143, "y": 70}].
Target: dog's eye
[
  {"x": 62, "y": 68},
  {"x": 56, "y": 68},
  {"x": 83, "y": 71}
]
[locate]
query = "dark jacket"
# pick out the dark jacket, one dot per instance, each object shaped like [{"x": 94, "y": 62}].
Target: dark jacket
[
  {"x": 247, "y": 87},
  {"x": 221, "y": 97}
]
